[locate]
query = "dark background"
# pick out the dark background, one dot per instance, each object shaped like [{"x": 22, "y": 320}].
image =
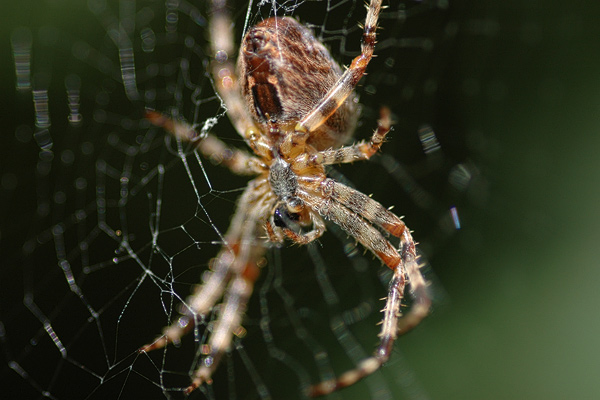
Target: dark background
[{"x": 517, "y": 97}]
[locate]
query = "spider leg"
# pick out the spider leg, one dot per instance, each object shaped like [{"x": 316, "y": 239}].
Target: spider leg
[
  {"x": 389, "y": 333},
  {"x": 238, "y": 292},
  {"x": 238, "y": 161},
  {"x": 228, "y": 88},
  {"x": 200, "y": 302},
  {"x": 361, "y": 150},
  {"x": 363, "y": 205},
  {"x": 275, "y": 235},
  {"x": 357, "y": 227},
  {"x": 345, "y": 154},
  {"x": 245, "y": 271},
  {"x": 238, "y": 259},
  {"x": 345, "y": 85},
  {"x": 404, "y": 264},
  {"x": 223, "y": 69},
  {"x": 421, "y": 298}
]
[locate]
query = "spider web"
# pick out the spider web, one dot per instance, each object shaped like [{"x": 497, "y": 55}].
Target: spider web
[{"x": 107, "y": 222}]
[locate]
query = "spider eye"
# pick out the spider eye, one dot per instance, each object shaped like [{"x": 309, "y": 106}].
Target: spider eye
[{"x": 283, "y": 218}]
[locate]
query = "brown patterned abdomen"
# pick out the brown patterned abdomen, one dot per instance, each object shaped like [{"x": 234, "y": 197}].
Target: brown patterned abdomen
[{"x": 284, "y": 72}]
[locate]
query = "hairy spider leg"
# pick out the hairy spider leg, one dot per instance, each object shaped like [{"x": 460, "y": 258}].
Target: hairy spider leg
[
  {"x": 235, "y": 268},
  {"x": 354, "y": 212},
  {"x": 226, "y": 263},
  {"x": 245, "y": 270},
  {"x": 345, "y": 154},
  {"x": 345, "y": 85},
  {"x": 361, "y": 150},
  {"x": 207, "y": 294},
  {"x": 404, "y": 264},
  {"x": 238, "y": 161},
  {"x": 234, "y": 271},
  {"x": 223, "y": 70}
]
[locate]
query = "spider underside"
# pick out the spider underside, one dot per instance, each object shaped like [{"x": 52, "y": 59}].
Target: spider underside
[{"x": 295, "y": 108}]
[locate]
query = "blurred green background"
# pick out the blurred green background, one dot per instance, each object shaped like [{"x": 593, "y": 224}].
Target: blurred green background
[
  {"x": 521, "y": 82},
  {"x": 523, "y": 286}
]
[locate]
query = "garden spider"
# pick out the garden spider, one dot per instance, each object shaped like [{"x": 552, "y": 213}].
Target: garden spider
[{"x": 295, "y": 109}]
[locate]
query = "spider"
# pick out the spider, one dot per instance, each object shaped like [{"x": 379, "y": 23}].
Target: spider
[{"x": 295, "y": 108}]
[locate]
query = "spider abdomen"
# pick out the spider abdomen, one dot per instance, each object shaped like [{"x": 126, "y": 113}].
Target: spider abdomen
[{"x": 284, "y": 72}]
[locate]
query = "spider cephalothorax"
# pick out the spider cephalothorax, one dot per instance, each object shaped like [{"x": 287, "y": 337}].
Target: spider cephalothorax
[{"x": 295, "y": 109}]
